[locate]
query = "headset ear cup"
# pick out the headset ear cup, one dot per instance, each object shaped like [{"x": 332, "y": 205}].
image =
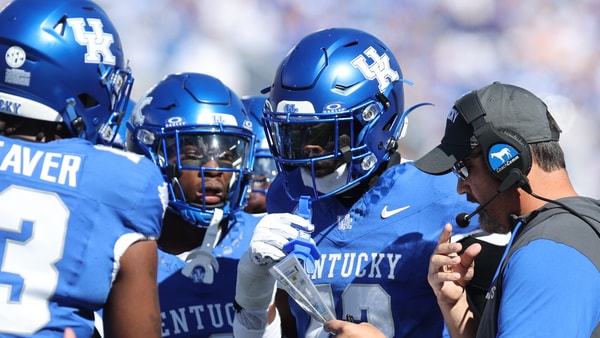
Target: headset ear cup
[
  {"x": 524, "y": 151},
  {"x": 508, "y": 151},
  {"x": 503, "y": 149}
]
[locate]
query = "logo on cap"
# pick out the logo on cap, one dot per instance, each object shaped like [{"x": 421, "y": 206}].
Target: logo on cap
[
  {"x": 501, "y": 156},
  {"x": 452, "y": 115}
]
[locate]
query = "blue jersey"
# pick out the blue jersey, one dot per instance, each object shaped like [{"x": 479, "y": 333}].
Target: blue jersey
[
  {"x": 195, "y": 309},
  {"x": 375, "y": 255},
  {"x": 69, "y": 211}
]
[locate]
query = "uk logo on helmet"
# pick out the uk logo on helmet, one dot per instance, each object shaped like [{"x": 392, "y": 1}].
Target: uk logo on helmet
[
  {"x": 452, "y": 115},
  {"x": 379, "y": 70},
  {"x": 290, "y": 108},
  {"x": 97, "y": 42}
]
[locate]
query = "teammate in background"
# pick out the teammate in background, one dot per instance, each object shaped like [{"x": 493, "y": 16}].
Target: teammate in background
[
  {"x": 265, "y": 169},
  {"x": 333, "y": 119},
  {"x": 502, "y": 142},
  {"x": 79, "y": 220},
  {"x": 195, "y": 129}
]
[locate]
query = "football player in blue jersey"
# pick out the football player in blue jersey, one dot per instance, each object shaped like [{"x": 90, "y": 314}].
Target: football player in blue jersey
[
  {"x": 333, "y": 118},
  {"x": 196, "y": 130},
  {"x": 264, "y": 169},
  {"x": 79, "y": 221}
]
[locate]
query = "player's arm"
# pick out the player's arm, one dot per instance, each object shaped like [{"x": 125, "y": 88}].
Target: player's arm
[
  {"x": 256, "y": 315},
  {"x": 132, "y": 309}
]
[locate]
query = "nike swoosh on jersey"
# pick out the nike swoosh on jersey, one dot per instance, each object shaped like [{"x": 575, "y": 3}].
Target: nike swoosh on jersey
[{"x": 385, "y": 213}]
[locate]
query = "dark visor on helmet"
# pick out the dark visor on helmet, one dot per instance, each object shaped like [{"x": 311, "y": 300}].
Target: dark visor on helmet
[{"x": 310, "y": 139}]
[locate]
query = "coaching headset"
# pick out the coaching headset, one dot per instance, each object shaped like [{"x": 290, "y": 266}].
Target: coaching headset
[
  {"x": 504, "y": 150},
  {"x": 507, "y": 156}
]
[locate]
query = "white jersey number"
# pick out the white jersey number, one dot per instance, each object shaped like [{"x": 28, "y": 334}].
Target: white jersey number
[
  {"x": 358, "y": 300},
  {"x": 33, "y": 227}
]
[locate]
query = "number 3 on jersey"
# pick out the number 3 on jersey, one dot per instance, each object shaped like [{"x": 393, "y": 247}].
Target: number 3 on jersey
[
  {"x": 368, "y": 302},
  {"x": 33, "y": 227}
]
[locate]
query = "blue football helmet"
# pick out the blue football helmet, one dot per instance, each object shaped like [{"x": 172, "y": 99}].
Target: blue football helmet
[
  {"x": 335, "y": 110},
  {"x": 63, "y": 64},
  {"x": 193, "y": 124},
  {"x": 265, "y": 169},
  {"x": 119, "y": 140}
]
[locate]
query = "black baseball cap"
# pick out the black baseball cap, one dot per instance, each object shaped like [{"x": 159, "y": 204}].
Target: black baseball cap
[{"x": 506, "y": 107}]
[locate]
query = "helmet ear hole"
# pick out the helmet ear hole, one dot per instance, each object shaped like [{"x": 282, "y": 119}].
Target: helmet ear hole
[{"x": 87, "y": 100}]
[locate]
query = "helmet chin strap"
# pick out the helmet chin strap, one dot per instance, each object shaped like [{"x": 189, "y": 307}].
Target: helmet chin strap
[
  {"x": 194, "y": 217},
  {"x": 201, "y": 264},
  {"x": 75, "y": 120}
]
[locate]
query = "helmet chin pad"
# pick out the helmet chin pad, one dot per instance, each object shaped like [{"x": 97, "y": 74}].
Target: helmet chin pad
[{"x": 326, "y": 184}]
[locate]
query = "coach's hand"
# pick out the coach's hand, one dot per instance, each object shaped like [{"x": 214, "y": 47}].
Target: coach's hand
[{"x": 344, "y": 329}]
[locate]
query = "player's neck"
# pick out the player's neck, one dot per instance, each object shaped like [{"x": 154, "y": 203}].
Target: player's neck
[{"x": 178, "y": 236}]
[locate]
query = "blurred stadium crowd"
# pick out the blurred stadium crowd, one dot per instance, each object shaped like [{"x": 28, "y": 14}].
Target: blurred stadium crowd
[{"x": 445, "y": 47}]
